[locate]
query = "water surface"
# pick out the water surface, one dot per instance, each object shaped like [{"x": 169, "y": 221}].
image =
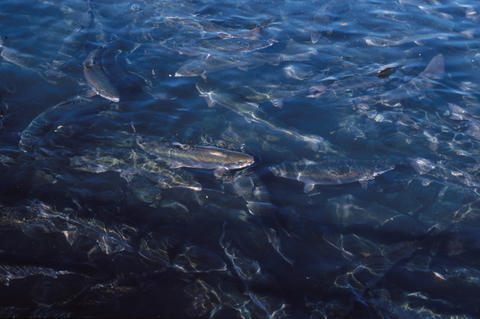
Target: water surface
[{"x": 363, "y": 118}]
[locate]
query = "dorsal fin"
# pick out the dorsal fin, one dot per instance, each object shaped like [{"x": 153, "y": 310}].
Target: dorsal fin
[{"x": 434, "y": 69}]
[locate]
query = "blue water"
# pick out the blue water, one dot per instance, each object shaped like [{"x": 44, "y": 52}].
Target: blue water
[{"x": 363, "y": 118}]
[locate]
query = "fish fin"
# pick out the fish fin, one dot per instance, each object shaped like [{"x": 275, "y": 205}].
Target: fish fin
[
  {"x": 254, "y": 32},
  {"x": 363, "y": 183},
  {"x": 182, "y": 146},
  {"x": 224, "y": 35},
  {"x": 435, "y": 68},
  {"x": 219, "y": 172},
  {"x": 278, "y": 103},
  {"x": 308, "y": 187},
  {"x": 204, "y": 75},
  {"x": 210, "y": 101},
  {"x": 91, "y": 93},
  {"x": 177, "y": 144},
  {"x": 175, "y": 165}
]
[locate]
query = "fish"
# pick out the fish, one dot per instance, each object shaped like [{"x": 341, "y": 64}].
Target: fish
[
  {"x": 247, "y": 110},
  {"x": 107, "y": 240},
  {"x": 13, "y": 56},
  {"x": 274, "y": 95},
  {"x": 9, "y": 273},
  {"x": 386, "y": 71},
  {"x": 434, "y": 71},
  {"x": 196, "y": 156},
  {"x": 235, "y": 45},
  {"x": 422, "y": 165},
  {"x": 134, "y": 164},
  {"x": 412, "y": 89},
  {"x": 297, "y": 72},
  {"x": 331, "y": 171},
  {"x": 25, "y": 61},
  {"x": 208, "y": 64},
  {"x": 76, "y": 41},
  {"x": 161, "y": 175},
  {"x": 34, "y": 134},
  {"x": 97, "y": 79}
]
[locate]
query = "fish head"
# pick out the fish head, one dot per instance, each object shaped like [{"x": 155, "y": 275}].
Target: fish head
[{"x": 236, "y": 160}]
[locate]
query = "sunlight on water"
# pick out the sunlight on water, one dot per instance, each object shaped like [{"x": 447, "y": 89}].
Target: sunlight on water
[{"x": 240, "y": 159}]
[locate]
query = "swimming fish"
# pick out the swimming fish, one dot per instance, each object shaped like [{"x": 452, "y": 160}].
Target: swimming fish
[
  {"x": 247, "y": 110},
  {"x": 135, "y": 164},
  {"x": 415, "y": 87},
  {"x": 196, "y": 156},
  {"x": 20, "y": 59},
  {"x": 331, "y": 171},
  {"x": 96, "y": 77}
]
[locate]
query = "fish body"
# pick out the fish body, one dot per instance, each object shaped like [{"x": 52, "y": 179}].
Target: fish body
[
  {"x": 97, "y": 79},
  {"x": 20, "y": 59},
  {"x": 417, "y": 85},
  {"x": 162, "y": 175},
  {"x": 17, "y": 58},
  {"x": 33, "y": 135},
  {"x": 135, "y": 164},
  {"x": 247, "y": 110},
  {"x": 412, "y": 89},
  {"x": 204, "y": 65},
  {"x": 331, "y": 172},
  {"x": 195, "y": 156}
]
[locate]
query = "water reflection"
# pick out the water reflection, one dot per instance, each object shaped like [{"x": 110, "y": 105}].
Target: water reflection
[{"x": 252, "y": 159}]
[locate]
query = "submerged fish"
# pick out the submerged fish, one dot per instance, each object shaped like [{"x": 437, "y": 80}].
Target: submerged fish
[
  {"x": 135, "y": 164},
  {"x": 34, "y": 134},
  {"x": 211, "y": 63},
  {"x": 195, "y": 156},
  {"x": 20, "y": 59},
  {"x": 417, "y": 85},
  {"x": 247, "y": 110},
  {"x": 96, "y": 77},
  {"x": 331, "y": 172},
  {"x": 412, "y": 89},
  {"x": 26, "y": 61}
]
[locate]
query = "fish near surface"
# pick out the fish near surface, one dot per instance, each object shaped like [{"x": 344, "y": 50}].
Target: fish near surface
[
  {"x": 162, "y": 175},
  {"x": 193, "y": 156},
  {"x": 414, "y": 88},
  {"x": 247, "y": 110},
  {"x": 331, "y": 172},
  {"x": 196, "y": 156},
  {"x": 97, "y": 79},
  {"x": 13, "y": 56},
  {"x": 135, "y": 164}
]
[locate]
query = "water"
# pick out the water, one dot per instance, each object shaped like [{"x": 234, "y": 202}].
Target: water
[{"x": 363, "y": 118}]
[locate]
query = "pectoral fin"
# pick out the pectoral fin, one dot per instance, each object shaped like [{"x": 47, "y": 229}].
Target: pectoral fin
[
  {"x": 278, "y": 103},
  {"x": 308, "y": 187},
  {"x": 363, "y": 183},
  {"x": 91, "y": 93},
  {"x": 210, "y": 101},
  {"x": 218, "y": 173}
]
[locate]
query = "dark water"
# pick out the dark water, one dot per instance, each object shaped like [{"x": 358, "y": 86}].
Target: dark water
[{"x": 363, "y": 118}]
